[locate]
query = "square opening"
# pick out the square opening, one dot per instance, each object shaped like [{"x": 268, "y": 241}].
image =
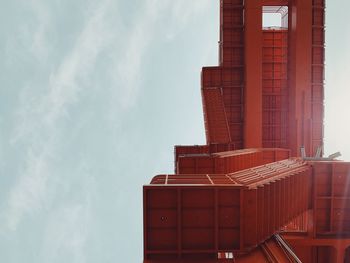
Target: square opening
[
  {"x": 272, "y": 20},
  {"x": 275, "y": 17}
]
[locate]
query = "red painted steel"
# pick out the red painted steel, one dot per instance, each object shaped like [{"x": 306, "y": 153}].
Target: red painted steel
[
  {"x": 253, "y": 74},
  {"x": 320, "y": 250},
  {"x": 228, "y": 82},
  {"x": 229, "y": 161},
  {"x": 181, "y": 150},
  {"x": 326, "y": 235},
  {"x": 272, "y": 250},
  {"x": 199, "y": 216},
  {"x": 331, "y": 199},
  {"x": 202, "y": 149},
  {"x": 317, "y": 97},
  {"x": 271, "y": 79},
  {"x": 216, "y": 124},
  {"x": 275, "y": 89},
  {"x": 230, "y": 196}
]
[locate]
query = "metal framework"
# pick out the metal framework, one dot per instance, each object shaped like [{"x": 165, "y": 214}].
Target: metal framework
[{"x": 251, "y": 194}]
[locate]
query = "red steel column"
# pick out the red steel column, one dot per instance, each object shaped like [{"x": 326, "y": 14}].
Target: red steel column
[
  {"x": 253, "y": 74},
  {"x": 300, "y": 26},
  {"x": 338, "y": 254}
]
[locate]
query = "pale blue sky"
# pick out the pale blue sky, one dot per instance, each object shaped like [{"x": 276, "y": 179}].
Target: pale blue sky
[{"x": 93, "y": 96}]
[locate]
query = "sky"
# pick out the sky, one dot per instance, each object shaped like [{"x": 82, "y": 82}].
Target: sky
[{"x": 93, "y": 97}]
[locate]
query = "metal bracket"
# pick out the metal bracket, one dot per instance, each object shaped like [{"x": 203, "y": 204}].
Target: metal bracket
[{"x": 317, "y": 156}]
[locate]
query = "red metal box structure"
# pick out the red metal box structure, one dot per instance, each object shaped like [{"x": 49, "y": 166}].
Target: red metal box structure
[
  {"x": 199, "y": 216},
  {"x": 266, "y": 92}
]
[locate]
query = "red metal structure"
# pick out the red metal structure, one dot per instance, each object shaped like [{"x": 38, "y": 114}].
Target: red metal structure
[{"x": 250, "y": 194}]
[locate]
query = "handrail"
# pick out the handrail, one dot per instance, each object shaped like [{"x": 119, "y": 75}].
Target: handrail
[{"x": 287, "y": 248}]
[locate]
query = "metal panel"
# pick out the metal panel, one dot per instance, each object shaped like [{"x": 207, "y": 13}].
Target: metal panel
[
  {"x": 331, "y": 198},
  {"x": 196, "y": 221},
  {"x": 266, "y": 92},
  {"x": 275, "y": 89},
  {"x": 228, "y": 162},
  {"x": 199, "y": 216},
  {"x": 216, "y": 124},
  {"x": 253, "y": 74}
]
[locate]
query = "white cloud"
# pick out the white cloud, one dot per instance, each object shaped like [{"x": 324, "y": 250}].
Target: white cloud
[
  {"x": 28, "y": 194},
  {"x": 183, "y": 10},
  {"x": 39, "y": 117},
  {"x": 69, "y": 224},
  {"x": 40, "y": 44},
  {"x": 64, "y": 84},
  {"x": 127, "y": 70},
  {"x": 66, "y": 234}
]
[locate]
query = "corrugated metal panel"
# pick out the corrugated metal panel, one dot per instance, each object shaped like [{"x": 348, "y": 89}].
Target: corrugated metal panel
[
  {"x": 230, "y": 82},
  {"x": 217, "y": 128},
  {"x": 231, "y": 33},
  {"x": 228, "y": 162},
  {"x": 275, "y": 89},
  {"x": 317, "y": 99},
  {"x": 192, "y": 150}
]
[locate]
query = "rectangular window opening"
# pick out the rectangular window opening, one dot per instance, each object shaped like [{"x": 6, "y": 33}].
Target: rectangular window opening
[{"x": 275, "y": 17}]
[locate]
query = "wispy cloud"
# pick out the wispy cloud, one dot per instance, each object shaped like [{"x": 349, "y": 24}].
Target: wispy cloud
[
  {"x": 29, "y": 193},
  {"x": 39, "y": 117},
  {"x": 69, "y": 224},
  {"x": 40, "y": 44},
  {"x": 183, "y": 10},
  {"x": 127, "y": 69},
  {"x": 69, "y": 227}
]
